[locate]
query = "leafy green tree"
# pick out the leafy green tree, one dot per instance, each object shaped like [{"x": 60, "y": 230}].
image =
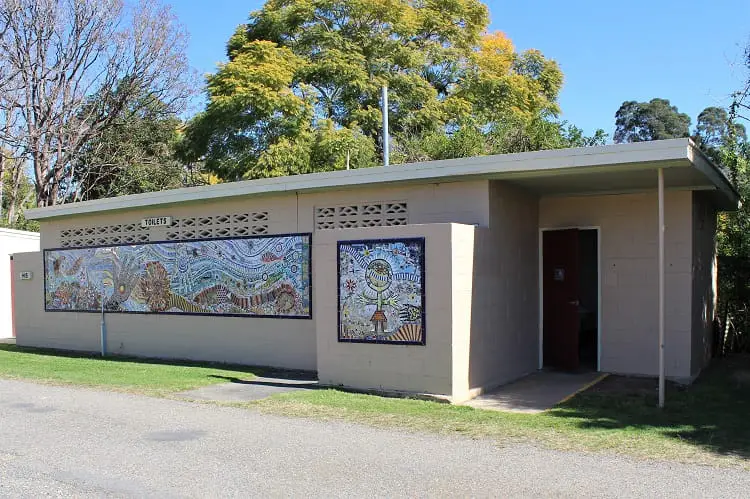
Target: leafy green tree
[
  {"x": 303, "y": 82},
  {"x": 715, "y": 130},
  {"x": 507, "y": 136},
  {"x": 653, "y": 120},
  {"x": 136, "y": 154},
  {"x": 16, "y": 195}
]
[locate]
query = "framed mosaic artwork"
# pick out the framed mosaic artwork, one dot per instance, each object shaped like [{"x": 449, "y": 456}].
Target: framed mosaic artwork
[
  {"x": 381, "y": 293},
  {"x": 256, "y": 276}
]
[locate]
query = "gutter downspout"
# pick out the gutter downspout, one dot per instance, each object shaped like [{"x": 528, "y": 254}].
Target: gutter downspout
[
  {"x": 661, "y": 287},
  {"x": 103, "y": 328}
]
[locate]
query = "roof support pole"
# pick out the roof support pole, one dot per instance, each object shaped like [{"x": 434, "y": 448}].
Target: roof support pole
[{"x": 661, "y": 287}]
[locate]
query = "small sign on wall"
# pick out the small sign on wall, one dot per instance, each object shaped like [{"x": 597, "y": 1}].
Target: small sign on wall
[
  {"x": 559, "y": 274},
  {"x": 26, "y": 275},
  {"x": 156, "y": 222}
]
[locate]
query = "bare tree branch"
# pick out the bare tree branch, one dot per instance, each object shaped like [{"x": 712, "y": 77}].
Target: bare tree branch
[{"x": 56, "y": 55}]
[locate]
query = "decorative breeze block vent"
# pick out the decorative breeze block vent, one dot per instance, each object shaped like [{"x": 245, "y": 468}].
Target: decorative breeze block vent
[
  {"x": 219, "y": 226},
  {"x": 362, "y": 215},
  {"x": 205, "y": 227},
  {"x": 103, "y": 235}
]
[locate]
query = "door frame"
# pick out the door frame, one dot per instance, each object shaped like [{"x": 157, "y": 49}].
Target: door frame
[{"x": 540, "y": 272}]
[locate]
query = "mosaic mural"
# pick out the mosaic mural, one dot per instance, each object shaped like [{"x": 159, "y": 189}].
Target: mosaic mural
[
  {"x": 259, "y": 276},
  {"x": 381, "y": 291}
]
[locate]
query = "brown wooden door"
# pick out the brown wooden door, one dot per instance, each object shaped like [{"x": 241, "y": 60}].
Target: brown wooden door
[{"x": 561, "y": 282}]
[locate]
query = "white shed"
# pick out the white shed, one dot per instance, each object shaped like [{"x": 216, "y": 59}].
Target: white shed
[{"x": 11, "y": 241}]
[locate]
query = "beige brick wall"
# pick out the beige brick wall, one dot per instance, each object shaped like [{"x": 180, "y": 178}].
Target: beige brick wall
[
  {"x": 504, "y": 307},
  {"x": 451, "y": 202},
  {"x": 459, "y": 202},
  {"x": 704, "y": 280},
  {"x": 253, "y": 341},
  {"x": 11, "y": 242},
  {"x": 629, "y": 273},
  {"x": 282, "y": 212},
  {"x": 413, "y": 368},
  {"x": 276, "y": 342},
  {"x": 462, "y": 276}
]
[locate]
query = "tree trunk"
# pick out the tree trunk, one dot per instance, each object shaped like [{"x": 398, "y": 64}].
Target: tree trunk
[{"x": 13, "y": 203}]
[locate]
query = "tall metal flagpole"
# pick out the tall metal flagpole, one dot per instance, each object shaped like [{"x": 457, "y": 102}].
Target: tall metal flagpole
[{"x": 386, "y": 148}]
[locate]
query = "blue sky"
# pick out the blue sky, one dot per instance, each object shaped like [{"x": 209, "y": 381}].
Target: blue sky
[{"x": 689, "y": 52}]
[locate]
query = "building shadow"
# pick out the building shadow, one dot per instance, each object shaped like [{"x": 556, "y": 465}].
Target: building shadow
[
  {"x": 713, "y": 413},
  {"x": 264, "y": 371},
  {"x": 294, "y": 382}
]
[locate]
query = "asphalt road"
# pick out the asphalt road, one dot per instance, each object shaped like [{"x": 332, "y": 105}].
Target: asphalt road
[{"x": 63, "y": 442}]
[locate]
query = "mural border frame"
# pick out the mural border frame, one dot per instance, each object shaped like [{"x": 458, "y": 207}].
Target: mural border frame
[
  {"x": 423, "y": 267},
  {"x": 199, "y": 314}
]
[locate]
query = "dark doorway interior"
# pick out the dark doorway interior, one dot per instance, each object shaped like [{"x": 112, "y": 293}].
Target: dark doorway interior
[
  {"x": 570, "y": 299},
  {"x": 589, "y": 298}
]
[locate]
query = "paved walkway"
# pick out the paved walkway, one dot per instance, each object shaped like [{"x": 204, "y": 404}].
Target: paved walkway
[
  {"x": 239, "y": 390},
  {"x": 63, "y": 442},
  {"x": 536, "y": 392}
]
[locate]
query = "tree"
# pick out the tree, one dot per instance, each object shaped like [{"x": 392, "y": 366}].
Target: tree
[
  {"x": 303, "y": 82},
  {"x": 507, "y": 136},
  {"x": 16, "y": 195},
  {"x": 715, "y": 130},
  {"x": 55, "y": 55},
  {"x": 136, "y": 154},
  {"x": 653, "y": 120}
]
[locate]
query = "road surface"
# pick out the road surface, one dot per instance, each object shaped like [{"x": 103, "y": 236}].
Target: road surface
[{"x": 62, "y": 442}]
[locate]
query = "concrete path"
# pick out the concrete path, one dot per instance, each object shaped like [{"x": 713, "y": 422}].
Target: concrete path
[
  {"x": 536, "y": 392},
  {"x": 64, "y": 442},
  {"x": 242, "y": 391}
]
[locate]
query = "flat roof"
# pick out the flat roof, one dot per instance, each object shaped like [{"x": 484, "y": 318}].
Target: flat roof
[
  {"x": 616, "y": 168},
  {"x": 19, "y": 233}
]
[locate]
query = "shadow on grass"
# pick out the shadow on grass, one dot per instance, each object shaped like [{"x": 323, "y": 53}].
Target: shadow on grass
[
  {"x": 713, "y": 412},
  {"x": 285, "y": 379},
  {"x": 265, "y": 371}
]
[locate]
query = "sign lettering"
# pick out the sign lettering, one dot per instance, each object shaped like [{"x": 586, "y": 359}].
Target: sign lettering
[{"x": 156, "y": 222}]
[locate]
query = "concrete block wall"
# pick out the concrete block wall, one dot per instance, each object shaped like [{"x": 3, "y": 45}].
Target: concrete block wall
[
  {"x": 504, "y": 307},
  {"x": 629, "y": 274},
  {"x": 262, "y": 341},
  {"x": 411, "y": 368},
  {"x": 11, "y": 241}
]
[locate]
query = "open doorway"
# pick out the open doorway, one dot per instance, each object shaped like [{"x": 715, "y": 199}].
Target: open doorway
[{"x": 570, "y": 299}]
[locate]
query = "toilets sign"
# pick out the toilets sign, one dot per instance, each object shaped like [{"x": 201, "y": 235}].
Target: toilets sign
[{"x": 156, "y": 222}]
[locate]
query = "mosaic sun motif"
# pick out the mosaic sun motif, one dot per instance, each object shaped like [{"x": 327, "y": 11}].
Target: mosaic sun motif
[
  {"x": 381, "y": 294},
  {"x": 259, "y": 276}
]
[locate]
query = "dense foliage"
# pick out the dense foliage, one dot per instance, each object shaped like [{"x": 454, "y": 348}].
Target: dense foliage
[
  {"x": 302, "y": 87},
  {"x": 653, "y": 120},
  {"x": 136, "y": 154}
]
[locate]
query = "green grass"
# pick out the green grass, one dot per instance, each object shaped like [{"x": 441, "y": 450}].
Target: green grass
[
  {"x": 149, "y": 377},
  {"x": 708, "y": 422}
]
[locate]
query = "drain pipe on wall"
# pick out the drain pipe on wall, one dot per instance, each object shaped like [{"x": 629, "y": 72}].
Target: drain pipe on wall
[
  {"x": 384, "y": 110},
  {"x": 103, "y": 328}
]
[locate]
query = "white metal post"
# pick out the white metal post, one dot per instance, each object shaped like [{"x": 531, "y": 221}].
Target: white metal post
[
  {"x": 661, "y": 287},
  {"x": 386, "y": 152}
]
